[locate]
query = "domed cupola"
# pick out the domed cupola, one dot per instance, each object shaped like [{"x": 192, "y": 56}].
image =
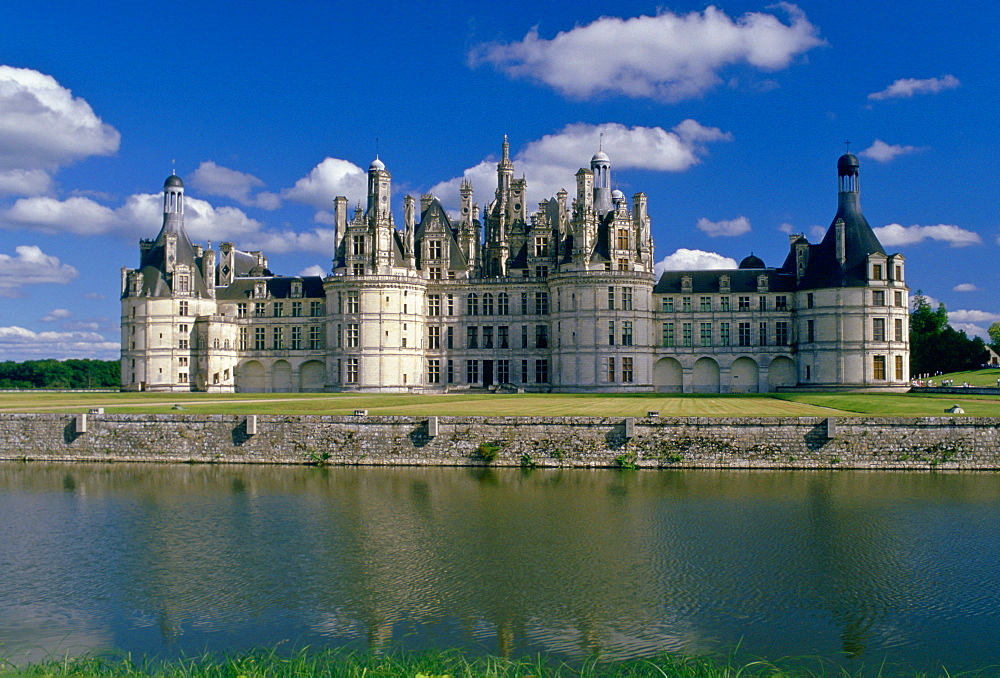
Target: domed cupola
[
  {"x": 377, "y": 165},
  {"x": 173, "y": 181},
  {"x": 752, "y": 261}
]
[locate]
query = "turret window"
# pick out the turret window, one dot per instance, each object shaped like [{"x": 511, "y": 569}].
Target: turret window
[
  {"x": 623, "y": 265},
  {"x": 623, "y": 238},
  {"x": 877, "y": 272},
  {"x": 878, "y": 367},
  {"x": 182, "y": 308},
  {"x": 626, "y": 298},
  {"x": 541, "y": 246},
  {"x": 878, "y": 298},
  {"x": 899, "y": 329},
  {"x": 878, "y": 329},
  {"x": 353, "y": 302},
  {"x": 434, "y": 249},
  {"x": 358, "y": 245},
  {"x": 352, "y": 335}
]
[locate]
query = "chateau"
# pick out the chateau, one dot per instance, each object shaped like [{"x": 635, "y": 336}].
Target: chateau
[{"x": 563, "y": 299}]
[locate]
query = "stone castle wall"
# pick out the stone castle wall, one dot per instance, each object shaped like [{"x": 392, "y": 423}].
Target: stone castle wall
[{"x": 647, "y": 442}]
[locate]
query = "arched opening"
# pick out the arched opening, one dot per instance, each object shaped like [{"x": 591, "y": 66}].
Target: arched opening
[
  {"x": 281, "y": 377},
  {"x": 744, "y": 376},
  {"x": 705, "y": 376},
  {"x": 781, "y": 372},
  {"x": 312, "y": 376},
  {"x": 668, "y": 376},
  {"x": 250, "y": 378}
]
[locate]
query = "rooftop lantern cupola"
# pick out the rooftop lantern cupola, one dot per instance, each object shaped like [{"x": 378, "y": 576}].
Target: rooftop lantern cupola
[
  {"x": 600, "y": 165},
  {"x": 173, "y": 203},
  {"x": 847, "y": 169}
]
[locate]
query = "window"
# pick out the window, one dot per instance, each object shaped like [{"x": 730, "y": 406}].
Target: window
[
  {"x": 352, "y": 370},
  {"x": 524, "y": 336},
  {"x": 315, "y": 308},
  {"x": 878, "y": 367},
  {"x": 623, "y": 264},
  {"x": 781, "y": 303},
  {"x": 241, "y": 310},
  {"x": 358, "y": 245},
  {"x": 472, "y": 371},
  {"x": 259, "y": 310},
  {"x": 878, "y": 329},
  {"x": 503, "y": 371},
  {"x": 472, "y": 337},
  {"x": 611, "y": 298},
  {"x": 183, "y": 362},
  {"x": 487, "y": 337},
  {"x": 258, "y": 338},
  {"x": 686, "y": 304},
  {"x": 434, "y": 272},
  {"x": 542, "y": 371},
  {"x": 433, "y": 337},
  {"x": 899, "y": 329},
  {"x": 244, "y": 338},
  {"x": 353, "y": 335},
  {"x": 878, "y": 297},
  {"x": 687, "y": 334},
  {"x": 358, "y": 269},
  {"x": 472, "y": 304},
  {"x": 810, "y": 300},
  {"x": 611, "y": 333},
  {"x": 898, "y": 299},
  {"x": 183, "y": 284},
  {"x": 781, "y": 333},
  {"x": 353, "y": 302},
  {"x": 705, "y": 304},
  {"x": 744, "y": 334},
  {"x": 899, "y": 273},
  {"x": 433, "y": 371},
  {"x": 449, "y": 337},
  {"x": 277, "y": 308},
  {"x": 743, "y": 303},
  {"x": 724, "y": 304},
  {"x": 899, "y": 368},
  {"x": 611, "y": 368},
  {"x": 296, "y": 309},
  {"x": 877, "y": 275},
  {"x": 487, "y": 304},
  {"x": 276, "y": 338},
  {"x": 626, "y": 298},
  {"x": 623, "y": 238},
  {"x": 762, "y": 334},
  {"x": 541, "y": 303},
  {"x": 542, "y": 336},
  {"x": 503, "y": 304},
  {"x": 315, "y": 337},
  {"x": 296, "y": 342},
  {"x": 524, "y": 371},
  {"x": 524, "y": 303},
  {"x": 451, "y": 304},
  {"x": 434, "y": 249},
  {"x": 502, "y": 339},
  {"x": 183, "y": 328},
  {"x": 182, "y": 308},
  {"x": 724, "y": 334},
  {"x": 182, "y": 377},
  {"x": 182, "y": 344},
  {"x": 810, "y": 331},
  {"x": 668, "y": 334},
  {"x": 626, "y": 333},
  {"x": 762, "y": 303},
  {"x": 667, "y": 304},
  {"x": 450, "y": 374},
  {"x": 627, "y": 370},
  {"x": 706, "y": 334},
  {"x": 541, "y": 271},
  {"x": 434, "y": 304},
  {"x": 541, "y": 246}
]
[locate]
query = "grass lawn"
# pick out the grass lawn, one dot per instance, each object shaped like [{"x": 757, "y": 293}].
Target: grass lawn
[
  {"x": 481, "y": 404},
  {"x": 986, "y": 377}
]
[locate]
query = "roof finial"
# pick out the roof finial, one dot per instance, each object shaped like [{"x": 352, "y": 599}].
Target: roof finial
[
  {"x": 600, "y": 142},
  {"x": 173, "y": 167},
  {"x": 847, "y": 145}
]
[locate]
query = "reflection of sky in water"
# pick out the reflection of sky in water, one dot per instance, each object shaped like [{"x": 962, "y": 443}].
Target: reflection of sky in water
[{"x": 180, "y": 559}]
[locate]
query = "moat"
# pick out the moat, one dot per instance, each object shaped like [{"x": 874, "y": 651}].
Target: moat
[{"x": 850, "y": 566}]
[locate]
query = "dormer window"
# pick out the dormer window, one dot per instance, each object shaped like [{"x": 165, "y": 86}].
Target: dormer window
[
  {"x": 686, "y": 284},
  {"x": 259, "y": 290},
  {"x": 724, "y": 283},
  {"x": 762, "y": 283},
  {"x": 876, "y": 271},
  {"x": 434, "y": 249},
  {"x": 296, "y": 288}
]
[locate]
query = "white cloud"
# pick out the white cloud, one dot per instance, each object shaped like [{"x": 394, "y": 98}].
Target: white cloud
[
  {"x": 93, "y": 295},
  {"x": 31, "y": 266},
  {"x": 907, "y": 87},
  {"x": 972, "y": 316},
  {"x": 972, "y": 330},
  {"x": 315, "y": 269},
  {"x": 894, "y": 235},
  {"x": 883, "y": 152},
  {"x": 965, "y": 287},
  {"x": 726, "y": 227},
  {"x": 216, "y": 180},
  {"x": 56, "y": 314},
  {"x": 668, "y": 57},
  {"x": 326, "y": 181},
  {"x": 693, "y": 260},
  {"x": 551, "y": 162},
  {"x": 18, "y": 343},
  {"x": 43, "y": 127},
  {"x": 78, "y": 215},
  {"x": 279, "y": 242}
]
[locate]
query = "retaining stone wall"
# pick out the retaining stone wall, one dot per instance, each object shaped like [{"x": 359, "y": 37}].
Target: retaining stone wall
[{"x": 654, "y": 442}]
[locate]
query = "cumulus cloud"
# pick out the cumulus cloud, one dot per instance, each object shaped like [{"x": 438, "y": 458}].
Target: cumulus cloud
[
  {"x": 43, "y": 127},
  {"x": 965, "y": 287},
  {"x": 551, "y": 162},
  {"x": 55, "y": 315},
  {"x": 18, "y": 343},
  {"x": 668, "y": 57},
  {"x": 280, "y": 242},
  {"x": 883, "y": 152},
  {"x": 726, "y": 227},
  {"x": 693, "y": 260},
  {"x": 896, "y": 235},
  {"x": 78, "y": 215},
  {"x": 908, "y": 87},
  {"x": 327, "y": 180},
  {"x": 214, "y": 179},
  {"x": 31, "y": 266},
  {"x": 973, "y": 316},
  {"x": 315, "y": 269}
]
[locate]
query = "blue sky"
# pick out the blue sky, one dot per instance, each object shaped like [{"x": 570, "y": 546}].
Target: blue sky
[{"x": 730, "y": 117}]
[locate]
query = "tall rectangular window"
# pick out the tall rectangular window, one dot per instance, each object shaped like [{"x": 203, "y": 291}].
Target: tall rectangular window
[
  {"x": 877, "y": 271},
  {"x": 724, "y": 304},
  {"x": 898, "y": 299},
  {"x": 762, "y": 334},
  {"x": 541, "y": 246},
  {"x": 899, "y": 368},
  {"x": 353, "y": 300},
  {"x": 541, "y": 336},
  {"x": 487, "y": 303},
  {"x": 278, "y": 309},
  {"x": 315, "y": 308},
  {"x": 353, "y": 335},
  {"x": 762, "y": 303},
  {"x": 433, "y": 337},
  {"x": 434, "y": 371},
  {"x": 810, "y": 331},
  {"x": 541, "y": 303},
  {"x": 744, "y": 334},
  {"x": 686, "y": 304},
  {"x": 810, "y": 300},
  {"x": 241, "y": 310},
  {"x": 244, "y": 338},
  {"x": 781, "y": 333},
  {"x": 878, "y": 297},
  {"x": 258, "y": 338},
  {"x": 503, "y": 371},
  {"x": 724, "y": 339},
  {"x": 878, "y": 367},
  {"x": 316, "y": 336},
  {"x": 472, "y": 371},
  {"x": 502, "y": 339},
  {"x": 450, "y": 375},
  {"x": 358, "y": 245},
  {"x": 611, "y": 368},
  {"x": 706, "y": 334},
  {"x": 524, "y": 371},
  {"x": 541, "y": 371},
  {"x": 296, "y": 341},
  {"x": 503, "y": 304},
  {"x": 667, "y": 305},
  {"x": 487, "y": 337},
  {"x": 352, "y": 370},
  {"x": 899, "y": 329},
  {"x": 878, "y": 329},
  {"x": 626, "y": 298},
  {"x": 434, "y": 249},
  {"x": 182, "y": 308},
  {"x": 626, "y": 333},
  {"x": 705, "y": 304},
  {"x": 627, "y": 370},
  {"x": 433, "y": 304},
  {"x": 449, "y": 337},
  {"x": 451, "y": 304},
  {"x": 472, "y": 337},
  {"x": 668, "y": 334},
  {"x": 472, "y": 304},
  {"x": 259, "y": 310},
  {"x": 276, "y": 338},
  {"x": 524, "y": 336},
  {"x": 687, "y": 337},
  {"x": 743, "y": 303},
  {"x": 611, "y": 333},
  {"x": 611, "y": 298},
  {"x": 781, "y": 303}
]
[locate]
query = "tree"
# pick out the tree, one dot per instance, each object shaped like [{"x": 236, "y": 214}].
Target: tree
[
  {"x": 935, "y": 346},
  {"x": 994, "y": 333}
]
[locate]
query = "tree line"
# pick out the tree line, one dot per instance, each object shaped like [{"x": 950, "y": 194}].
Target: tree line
[
  {"x": 935, "y": 346},
  {"x": 73, "y": 373}
]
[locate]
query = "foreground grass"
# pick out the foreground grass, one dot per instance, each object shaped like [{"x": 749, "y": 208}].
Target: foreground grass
[
  {"x": 527, "y": 404},
  {"x": 432, "y": 665}
]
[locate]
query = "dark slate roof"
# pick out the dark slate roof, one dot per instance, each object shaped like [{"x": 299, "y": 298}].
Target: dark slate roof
[
  {"x": 824, "y": 270},
  {"x": 153, "y": 264},
  {"x": 752, "y": 262},
  {"x": 741, "y": 281},
  {"x": 173, "y": 180},
  {"x": 278, "y": 287}
]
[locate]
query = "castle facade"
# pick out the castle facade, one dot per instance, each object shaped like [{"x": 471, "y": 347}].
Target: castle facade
[{"x": 563, "y": 299}]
